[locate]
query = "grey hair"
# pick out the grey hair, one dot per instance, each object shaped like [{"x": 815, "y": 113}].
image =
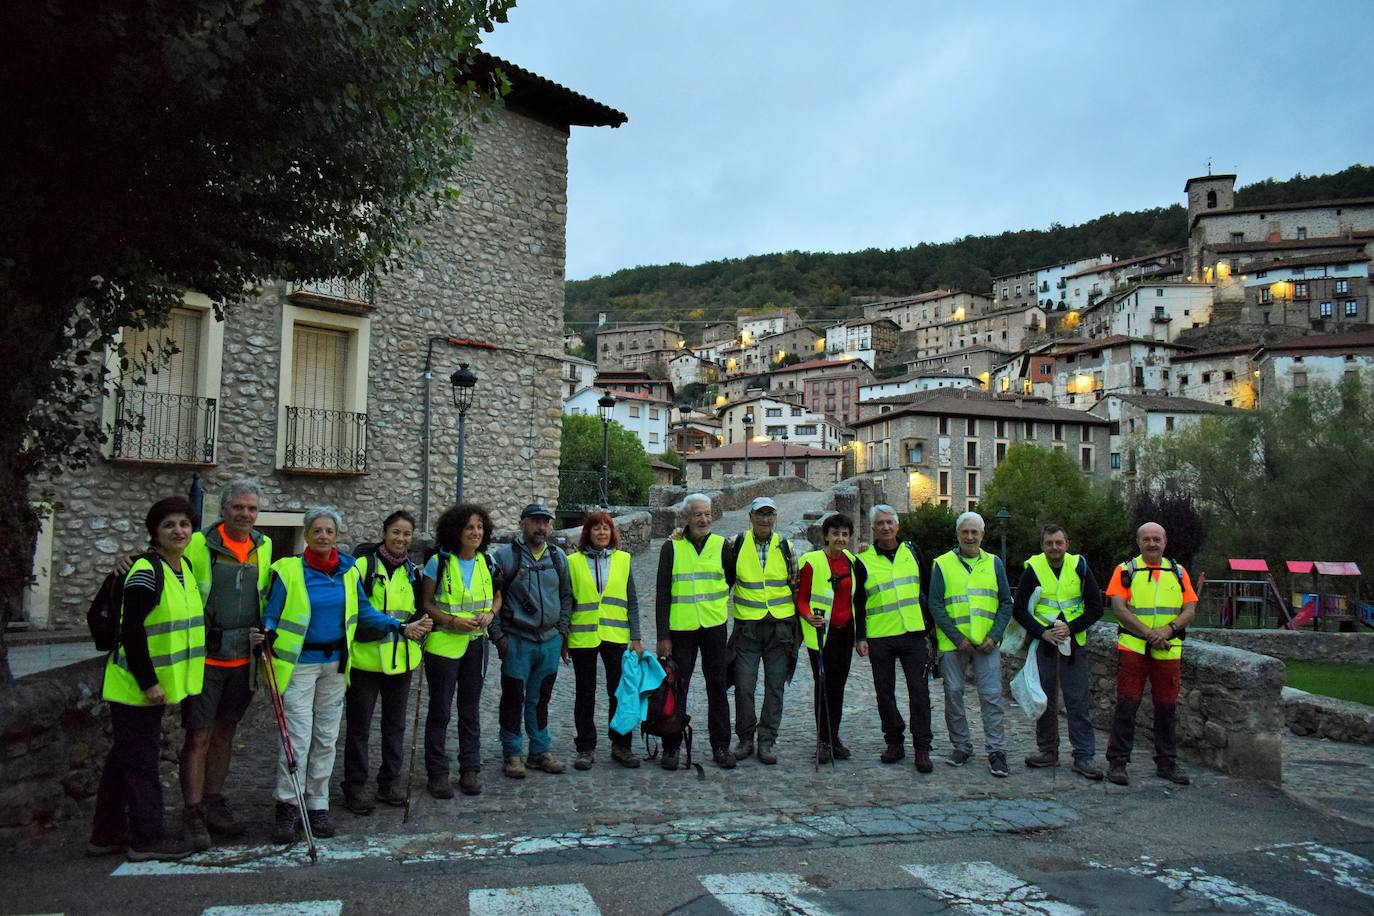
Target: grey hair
[
  {"x": 970, "y": 517},
  {"x": 881, "y": 509},
  {"x": 696, "y": 498},
  {"x": 237, "y": 486},
  {"x": 319, "y": 512}
]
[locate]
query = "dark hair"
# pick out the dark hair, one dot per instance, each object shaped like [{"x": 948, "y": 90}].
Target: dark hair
[
  {"x": 1053, "y": 528},
  {"x": 400, "y": 515},
  {"x": 836, "y": 520},
  {"x": 448, "y": 531},
  {"x": 598, "y": 518},
  {"x": 172, "y": 505}
]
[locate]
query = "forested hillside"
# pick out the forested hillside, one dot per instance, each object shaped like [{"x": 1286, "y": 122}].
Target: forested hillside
[{"x": 828, "y": 286}]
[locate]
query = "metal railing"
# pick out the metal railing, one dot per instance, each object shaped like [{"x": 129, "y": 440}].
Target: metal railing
[
  {"x": 360, "y": 290},
  {"x": 152, "y": 426},
  {"x": 579, "y": 489},
  {"x": 325, "y": 440}
]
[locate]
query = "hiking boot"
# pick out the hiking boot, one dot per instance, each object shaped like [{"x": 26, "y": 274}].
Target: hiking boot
[
  {"x": 194, "y": 829},
  {"x": 321, "y": 824},
  {"x": 668, "y": 761},
  {"x": 892, "y": 753},
  {"x": 823, "y": 754},
  {"x": 744, "y": 749},
  {"x": 958, "y": 758},
  {"x": 391, "y": 795},
  {"x": 1042, "y": 759},
  {"x": 766, "y": 755},
  {"x": 1084, "y": 766},
  {"x": 514, "y": 767},
  {"x": 470, "y": 781},
  {"x": 546, "y": 762},
  {"x": 840, "y": 751},
  {"x": 284, "y": 823},
  {"x": 100, "y": 846},
  {"x": 357, "y": 804},
  {"x": 625, "y": 757},
  {"x": 923, "y": 764},
  {"x": 1174, "y": 775},
  {"x": 997, "y": 765},
  {"x": 220, "y": 819},
  {"x": 439, "y": 786},
  {"x": 164, "y": 850},
  {"x": 1116, "y": 773},
  {"x": 584, "y": 760},
  {"x": 723, "y": 758}
]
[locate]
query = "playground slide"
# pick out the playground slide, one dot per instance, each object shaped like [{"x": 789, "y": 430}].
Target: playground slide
[{"x": 1305, "y": 614}]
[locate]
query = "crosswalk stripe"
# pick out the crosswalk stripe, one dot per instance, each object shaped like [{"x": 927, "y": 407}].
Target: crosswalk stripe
[
  {"x": 564, "y": 899},
  {"x": 982, "y": 887},
  {"x": 763, "y": 894},
  {"x": 1346, "y": 869},
  {"x": 1222, "y": 892},
  {"x": 301, "y": 908}
]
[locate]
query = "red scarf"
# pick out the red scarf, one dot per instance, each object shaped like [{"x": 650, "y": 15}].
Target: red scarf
[{"x": 326, "y": 565}]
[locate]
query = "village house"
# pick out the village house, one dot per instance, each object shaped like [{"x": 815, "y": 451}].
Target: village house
[
  {"x": 578, "y": 373},
  {"x": 912, "y": 382},
  {"x": 768, "y": 351},
  {"x": 929, "y": 309},
  {"x": 791, "y": 380},
  {"x": 1159, "y": 310},
  {"x": 694, "y": 433},
  {"x": 619, "y": 347},
  {"x": 688, "y": 368},
  {"x": 752, "y": 327},
  {"x": 974, "y": 362},
  {"x": 633, "y": 380},
  {"x": 1224, "y": 376},
  {"x": 868, "y": 339},
  {"x": 1083, "y": 374},
  {"x": 1006, "y": 329},
  {"x": 1303, "y": 362},
  {"x": 644, "y": 415},
  {"x": 1328, "y": 293},
  {"x": 1135, "y": 417},
  {"x": 1082, "y": 289},
  {"x": 770, "y": 417},
  {"x": 821, "y": 467}
]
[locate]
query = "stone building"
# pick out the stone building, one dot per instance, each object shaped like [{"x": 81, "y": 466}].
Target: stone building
[
  {"x": 820, "y": 467},
  {"x": 1326, "y": 292},
  {"x": 687, "y": 368},
  {"x": 617, "y": 347},
  {"x": 633, "y": 380},
  {"x": 578, "y": 373},
  {"x": 1136, "y": 417},
  {"x": 1224, "y": 376},
  {"x": 769, "y": 417},
  {"x": 1303, "y": 362},
  {"x": 867, "y": 339},
  {"x": 835, "y": 393},
  {"x": 929, "y": 309},
  {"x": 1085, "y": 287},
  {"x": 1007, "y": 329},
  {"x": 764, "y": 353},
  {"x": 791, "y": 380},
  {"x": 323, "y": 391},
  {"x": 1123, "y": 365},
  {"x": 975, "y": 362},
  {"x": 753, "y": 327},
  {"x": 913, "y": 382},
  {"x": 1159, "y": 309}
]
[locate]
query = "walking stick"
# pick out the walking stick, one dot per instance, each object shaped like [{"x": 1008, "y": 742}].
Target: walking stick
[
  {"x": 822, "y": 694},
  {"x": 415, "y": 729},
  {"x": 279, "y": 707}
]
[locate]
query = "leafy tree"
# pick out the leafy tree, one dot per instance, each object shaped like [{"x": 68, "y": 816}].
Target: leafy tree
[
  {"x": 671, "y": 456},
  {"x": 696, "y": 393},
  {"x": 631, "y": 475},
  {"x": 196, "y": 146},
  {"x": 1178, "y": 512},
  {"x": 930, "y": 529}
]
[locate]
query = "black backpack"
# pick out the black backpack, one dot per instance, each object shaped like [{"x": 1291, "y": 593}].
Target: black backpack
[
  {"x": 102, "y": 617},
  {"x": 667, "y": 715}
]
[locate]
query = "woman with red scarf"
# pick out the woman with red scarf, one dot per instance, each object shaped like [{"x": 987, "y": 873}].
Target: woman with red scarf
[{"x": 314, "y": 607}]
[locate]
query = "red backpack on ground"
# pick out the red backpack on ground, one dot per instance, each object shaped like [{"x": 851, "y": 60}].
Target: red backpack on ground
[{"x": 667, "y": 714}]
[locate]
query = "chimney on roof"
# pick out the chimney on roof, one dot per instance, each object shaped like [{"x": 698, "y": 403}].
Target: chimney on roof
[{"x": 1020, "y": 402}]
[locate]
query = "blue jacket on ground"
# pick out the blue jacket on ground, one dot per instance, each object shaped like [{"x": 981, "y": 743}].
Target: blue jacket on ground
[{"x": 639, "y": 677}]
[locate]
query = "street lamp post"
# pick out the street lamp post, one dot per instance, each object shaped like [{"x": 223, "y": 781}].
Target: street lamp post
[
  {"x": 748, "y": 431},
  {"x": 464, "y": 381},
  {"x": 606, "y": 405},
  {"x": 1003, "y": 517},
  {"x": 680, "y": 443},
  {"x": 784, "y": 454}
]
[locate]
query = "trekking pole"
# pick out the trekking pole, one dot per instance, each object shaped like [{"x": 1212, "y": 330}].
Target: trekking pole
[
  {"x": 415, "y": 729},
  {"x": 825, "y": 638},
  {"x": 279, "y": 707}
]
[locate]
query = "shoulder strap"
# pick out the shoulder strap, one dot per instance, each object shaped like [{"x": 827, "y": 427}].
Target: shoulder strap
[
  {"x": 786, "y": 547},
  {"x": 914, "y": 554},
  {"x": 1173, "y": 568},
  {"x": 739, "y": 542},
  {"x": 370, "y": 580},
  {"x": 156, "y": 562}
]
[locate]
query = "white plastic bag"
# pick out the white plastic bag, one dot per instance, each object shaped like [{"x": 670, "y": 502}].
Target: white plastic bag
[
  {"x": 1026, "y": 689},
  {"x": 1014, "y": 637}
]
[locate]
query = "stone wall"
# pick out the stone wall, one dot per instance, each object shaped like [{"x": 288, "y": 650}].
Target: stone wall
[
  {"x": 665, "y": 502},
  {"x": 490, "y": 267},
  {"x": 1327, "y": 717},
  {"x": 634, "y": 526},
  {"x": 1302, "y": 645}
]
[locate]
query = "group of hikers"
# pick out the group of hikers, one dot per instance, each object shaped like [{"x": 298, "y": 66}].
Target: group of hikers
[{"x": 206, "y": 617}]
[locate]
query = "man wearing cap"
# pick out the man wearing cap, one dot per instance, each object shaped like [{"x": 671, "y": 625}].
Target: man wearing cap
[
  {"x": 764, "y": 578},
  {"x": 529, "y": 635}
]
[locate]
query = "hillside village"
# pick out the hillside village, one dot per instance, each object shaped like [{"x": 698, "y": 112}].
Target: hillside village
[{"x": 928, "y": 390}]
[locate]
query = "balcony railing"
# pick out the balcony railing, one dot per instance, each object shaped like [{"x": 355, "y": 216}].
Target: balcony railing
[
  {"x": 325, "y": 440},
  {"x": 152, "y": 426},
  {"x": 360, "y": 290}
]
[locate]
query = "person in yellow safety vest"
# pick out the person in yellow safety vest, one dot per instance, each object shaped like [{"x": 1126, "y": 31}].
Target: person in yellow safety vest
[
  {"x": 314, "y": 606},
  {"x": 458, "y": 592},
  {"x": 690, "y": 609},
  {"x": 605, "y": 621},
  {"x": 1153, "y": 600},
  {"x": 160, "y": 659},
  {"x": 970, "y": 602},
  {"x": 765, "y": 577},
  {"x": 382, "y": 663},
  {"x": 1067, "y": 603},
  {"x": 897, "y": 630},
  {"x": 830, "y": 603}
]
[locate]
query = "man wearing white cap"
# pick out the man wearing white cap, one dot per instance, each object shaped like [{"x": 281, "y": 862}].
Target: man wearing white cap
[{"x": 764, "y": 578}]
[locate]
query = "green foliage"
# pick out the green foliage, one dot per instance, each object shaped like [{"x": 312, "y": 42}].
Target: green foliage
[
  {"x": 1039, "y": 487},
  {"x": 696, "y": 393},
  {"x": 631, "y": 474},
  {"x": 930, "y": 528},
  {"x": 1178, "y": 512},
  {"x": 580, "y": 352},
  {"x": 788, "y": 359}
]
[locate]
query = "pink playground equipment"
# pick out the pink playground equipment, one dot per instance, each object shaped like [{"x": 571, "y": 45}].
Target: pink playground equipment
[
  {"x": 1248, "y": 598},
  {"x": 1334, "y": 597}
]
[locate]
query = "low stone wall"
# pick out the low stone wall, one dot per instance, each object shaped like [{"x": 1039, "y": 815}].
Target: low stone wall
[
  {"x": 633, "y": 524},
  {"x": 1317, "y": 716},
  {"x": 1300, "y": 645},
  {"x": 1230, "y": 712},
  {"x": 665, "y": 502}
]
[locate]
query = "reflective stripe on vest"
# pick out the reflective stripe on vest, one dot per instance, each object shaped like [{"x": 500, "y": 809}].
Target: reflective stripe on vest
[
  {"x": 176, "y": 642},
  {"x": 1060, "y": 595},
  {"x": 1156, "y": 601},
  {"x": 295, "y": 616},
  {"x": 599, "y": 617},
  {"x": 894, "y": 593},
  {"x": 198, "y": 552},
  {"x": 698, "y": 589},
  {"x": 970, "y": 597},
  {"x": 822, "y": 598},
  {"x": 453, "y": 597},
  {"x": 394, "y": 597},
  {"x": 762, "y": 590}
]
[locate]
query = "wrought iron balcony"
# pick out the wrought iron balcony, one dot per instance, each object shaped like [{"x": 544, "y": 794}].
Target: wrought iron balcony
[
  {"x": 152, "y": 426},
  {"x": 361, "y": 291},
  {"x": 325, "y": 440}
]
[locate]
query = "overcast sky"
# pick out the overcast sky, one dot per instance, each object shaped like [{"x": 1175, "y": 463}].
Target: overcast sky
[{"x": 768, "y": 125}]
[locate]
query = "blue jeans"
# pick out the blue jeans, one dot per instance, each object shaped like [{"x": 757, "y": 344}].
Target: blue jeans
[
  {"x": 527, "y": 675},
  {"x": 1072, "y": 675},
  {"x": 987, "y": 678}
]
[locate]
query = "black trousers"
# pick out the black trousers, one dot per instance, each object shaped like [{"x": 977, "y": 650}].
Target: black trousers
[
  {"x": 584, "y": 702},
  {"x": 128, "y": 804},
  {"x": 711, "y": 643},
  {"x": 364, "y": 688},
  {"x": 912, "y": 650},
  {"x": 827, "y": 694},
  {"x": 445, "y": 678}
]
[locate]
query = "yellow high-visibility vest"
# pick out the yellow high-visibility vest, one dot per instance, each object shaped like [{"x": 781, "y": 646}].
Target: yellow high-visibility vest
[
  {"x": 295, "y": 617},
  {"x": 394, "y": 596},
  {"x": 176, "y": 642},
  {"x": 1059, "y": 595},
  {"x": 894, "y": 592},
  {"x": 599, "y": 616},
  {"x": 453, "y": 597},
  {"x": 822, "y": 593},
  {"x": 761, "y": 590},
  {"x": 970, "y": 596},
  {"x": 1156, "y": 601},
  {"x": 699, "y": 591}
]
